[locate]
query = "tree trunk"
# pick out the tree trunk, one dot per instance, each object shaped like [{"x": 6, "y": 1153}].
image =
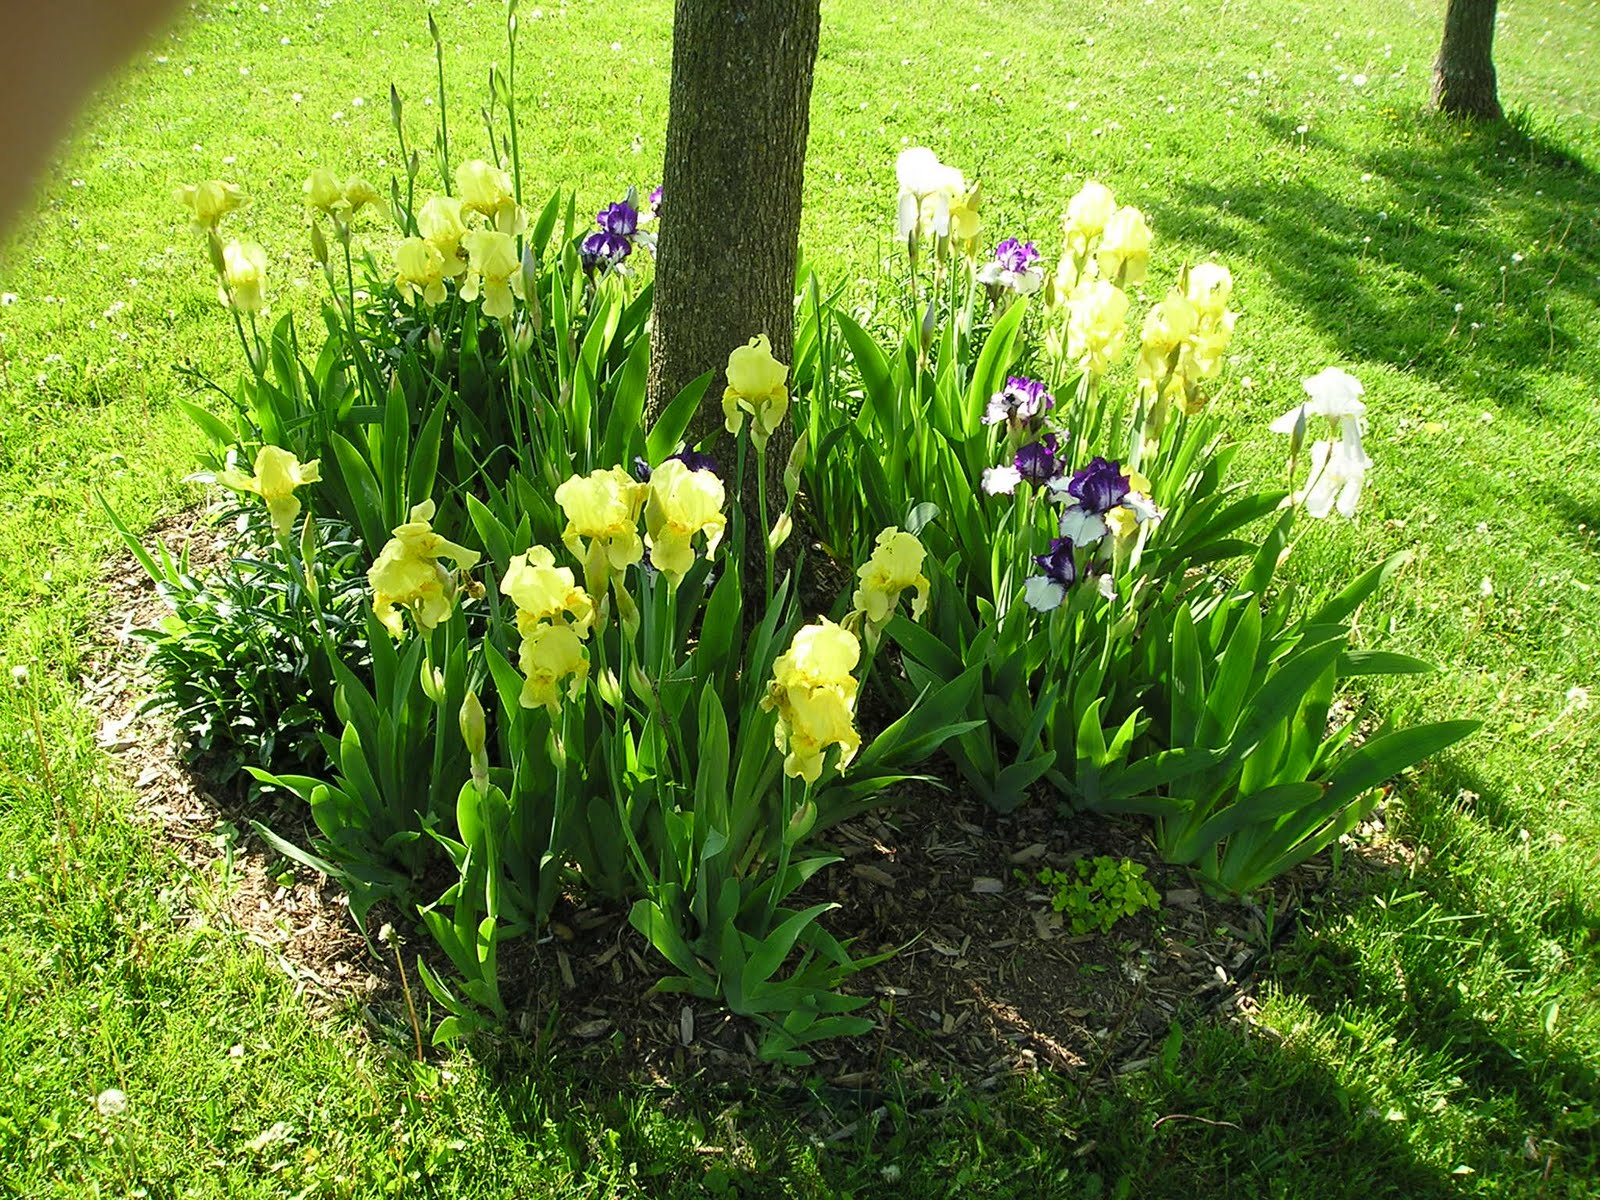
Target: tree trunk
[
  {"x": 1463, "y": 74},
  {"x": 729, "y": 234}
]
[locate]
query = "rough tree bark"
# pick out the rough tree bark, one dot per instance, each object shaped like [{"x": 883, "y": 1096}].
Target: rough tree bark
[
  {"x": 737, "y": 123},
  {"x": 1463, "y": 74}
]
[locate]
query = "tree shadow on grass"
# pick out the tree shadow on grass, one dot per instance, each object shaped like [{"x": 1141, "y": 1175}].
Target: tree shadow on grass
[
  {"x": 1580, "y": 514},
  {"x": 1231, "y": 1115},
  {"x": 1470, "y": 258},
  {"x": 1454, "y": 975}
]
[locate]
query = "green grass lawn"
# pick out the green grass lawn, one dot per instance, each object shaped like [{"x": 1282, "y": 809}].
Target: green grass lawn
[{"x": 1429, "y": 1031}]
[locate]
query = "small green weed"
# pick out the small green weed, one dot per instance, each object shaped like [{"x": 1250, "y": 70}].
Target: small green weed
[{"x": 1098, "y": 892}]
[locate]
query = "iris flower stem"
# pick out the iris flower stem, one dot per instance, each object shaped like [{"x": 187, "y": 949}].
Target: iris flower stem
[
  {"x": 1088, "y": 396},
  {"x": 739, "y": 521},
  {"x": 560, "y": 799},
  {"x": 1021, "y": 539},
  {"x": 1136, "y": 433},
  {"x": 300, "y": 570},
  {"x": 409, "y": 225},
  {"x": 523, "y": 440},
  {"x": 444, "y": 124},
  {"x": 785, "y": 816},
  {"x": 761, "y": 500},
  {"x": 542, "y": 365},
  {"x": 669, "y": 654},
  {"x": 252, "y": 355},
  {"x": 619, "y": 759},
  {"x": 511, "y": 106},
  {"x": 358, "y": 350},
  {"x": 916, "y": 288},
  {"x": 618, "y": 756},
  {"x": 661, "y": 617},
  {"x": 439, "y": 719}
]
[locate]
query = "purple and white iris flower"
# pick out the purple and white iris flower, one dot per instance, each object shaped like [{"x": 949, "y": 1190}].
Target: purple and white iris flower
[
  {"x": 1015, "y": 268},
  {"x": 1033, "y": 463},
  {"x": 1022, "y": 402},
  {"x": 1036, "y": 462},
  {"x": 1047, "y": 591},
  {"x": 619, "y": 233},
  {"x": 603, "y": 251},
  {"x": 620, "y": 219},
  {"x": 1094, "y": 491},
  {"x": 692, "y": 459},
  {"x": 1098, "y": 487}
]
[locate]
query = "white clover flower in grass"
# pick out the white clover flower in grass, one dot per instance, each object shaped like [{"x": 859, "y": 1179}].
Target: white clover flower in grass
[{"x": 112, "y": 1102}]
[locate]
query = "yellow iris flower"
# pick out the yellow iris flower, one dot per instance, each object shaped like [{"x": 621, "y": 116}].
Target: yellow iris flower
[
  {"x": 209, "y": 201},
  {"x": 1124, "y": 253},
  {"x": 485, "y": 188},
  {"x": 408, "y": 575},
  {"x": 895, "y": 566},
  {"x": 602, "y": 510},
  {"x": 1207, "y": 286},
  {"x": 814, "y": 693},
  {"x": 493, "y": 269},
  {"x": 551, "y": 653},
  {"x": 817, "y": 718},
  {"x": 755, "y": 386},
  {"x": 277, "y": 474},
  {"x": 322, "y": 191},
  {"x": 1167, "y": 327},
  {"x": 820, "y": 655},
  {"x": 440, "y": 223},
  {"x": 419, "y": 271},
  {"x": 244, "y": 277},
  {"x": 543, "y": 592},
  {"x": 358, "y": 193},
  {"x": 1136, "y": 509},
  {"x": 679, "y": 504},
  {"x": 1088, "y": 214},
  {"x": 965, "y": 224},
  {"x": 1097, "y": 313}
]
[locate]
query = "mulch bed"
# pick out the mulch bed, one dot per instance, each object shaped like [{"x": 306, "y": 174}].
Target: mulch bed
[{"x": 988, "y": 981}]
